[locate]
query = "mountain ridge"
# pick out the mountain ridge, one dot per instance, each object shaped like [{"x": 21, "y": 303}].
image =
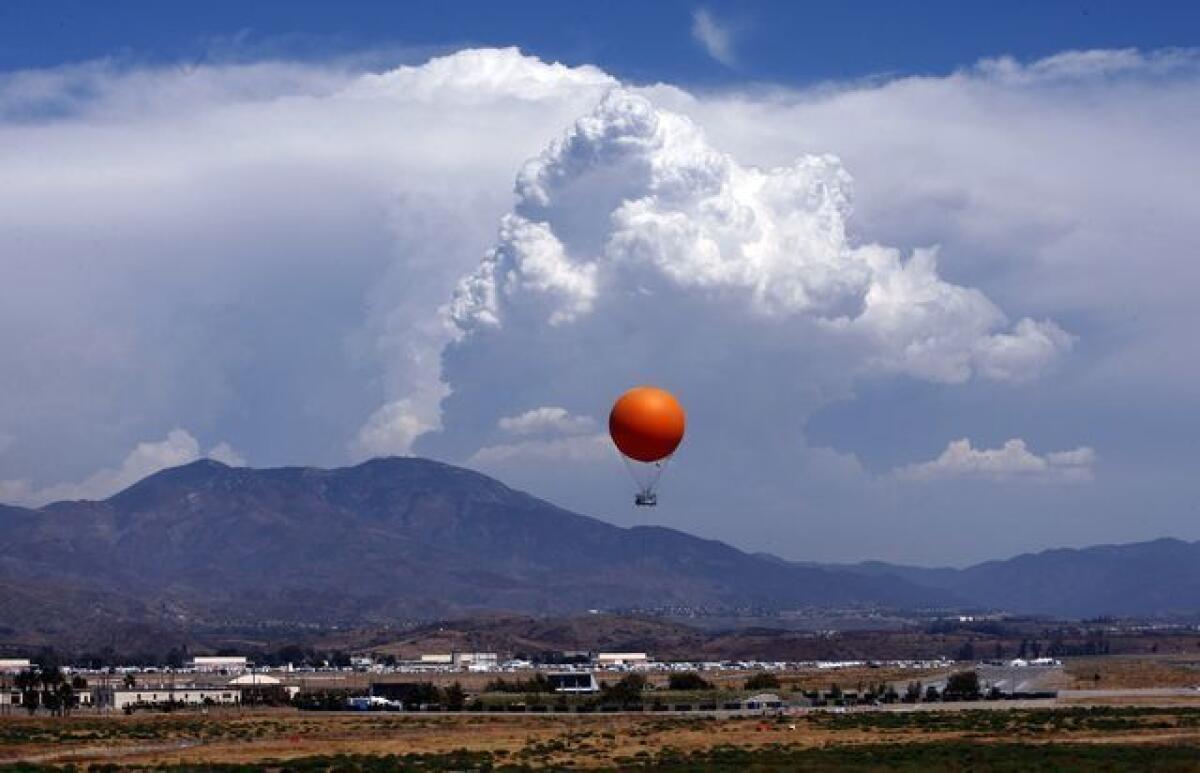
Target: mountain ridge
[
  {"x": 388, "y": 539},
  {"x": 409, "y": 539},
  {"x": 1153, "y": 577}
]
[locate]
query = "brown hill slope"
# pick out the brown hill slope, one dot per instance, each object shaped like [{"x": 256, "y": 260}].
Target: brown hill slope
[{"x": 390, "y": 539}]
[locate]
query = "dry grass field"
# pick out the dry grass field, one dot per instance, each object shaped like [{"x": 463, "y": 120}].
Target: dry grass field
[
  {"x": 1131, "y": 673},
  {"x": 1086, "y": 738}
]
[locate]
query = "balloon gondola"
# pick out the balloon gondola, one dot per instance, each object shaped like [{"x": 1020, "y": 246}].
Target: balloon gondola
[{"x": 646, "y": 425}]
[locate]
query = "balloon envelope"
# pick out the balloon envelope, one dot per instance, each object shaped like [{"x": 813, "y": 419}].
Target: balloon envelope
[{"x": 647, "y": 424}]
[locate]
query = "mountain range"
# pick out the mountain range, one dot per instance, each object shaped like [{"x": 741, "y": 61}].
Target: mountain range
[{"x": 407, "y": 539}]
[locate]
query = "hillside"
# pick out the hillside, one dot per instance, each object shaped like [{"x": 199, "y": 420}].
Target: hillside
[
  {"x": 206, "y": 547},
  {"x": 387, "y": 540},
  {"x": 1145, "y": 578}
]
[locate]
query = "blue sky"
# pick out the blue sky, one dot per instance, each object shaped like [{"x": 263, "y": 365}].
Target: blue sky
[
  {"x": 922, "y": 275},
  {"x": 786, "y": 42}
]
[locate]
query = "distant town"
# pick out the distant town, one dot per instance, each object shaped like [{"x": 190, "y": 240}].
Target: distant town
[{"x": 367, "y": 683}]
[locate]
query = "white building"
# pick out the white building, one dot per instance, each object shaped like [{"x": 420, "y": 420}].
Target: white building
[
  {"x": 14, "y": 665},
  {"x": 477, "y": 661},
  {"x": 10, "y": 698},
  {"x": 219, "y": 664},
  {"x": 262, "y": 681},
  {"x": 437, "y": 660},
  {"x": 609, "y": 659},
  {"x": 766, "y": 700},
  {"x": 120, "y": 697}
]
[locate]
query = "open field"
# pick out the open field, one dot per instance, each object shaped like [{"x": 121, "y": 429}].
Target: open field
[
  {"x": 1130, "y": 672},
  {"x": 950, "y": 737}
]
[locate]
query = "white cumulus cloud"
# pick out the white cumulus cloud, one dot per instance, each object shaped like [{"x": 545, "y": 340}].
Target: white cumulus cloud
[
  {"x": 633, "y": 196},
  {"x": 146, "y": 458},
  {"x": 547, "y": 434},
  {"x": 1014, "y": 459},
  {"x": 561, "y": 450},
  {"x": 547, "y": 420}
]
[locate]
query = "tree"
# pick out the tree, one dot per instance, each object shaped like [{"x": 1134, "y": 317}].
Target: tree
[
  {"x": 129, "y": 681},
  {"x": 291, "y": 653},
  {"x": 175, "y": 657},
  {"x": 931, "y": 694},
  {"x": 56, "y": 692},
  {"x": 47, "y": 660},
  {"x": 28, "y": 682},
  {"x": 912, "y": 693},
  {"x": 627, "y": 691},
  {"x": 966, "y": 652},
  {"x": 689, "y": 680},
  {"x": 963, "y": 685},
  {"x": 762, "y": 681},
  {"x": 64, "y": 694},
  {"x": 539, "y": 683},
  {"x": 455, "y": 697}
]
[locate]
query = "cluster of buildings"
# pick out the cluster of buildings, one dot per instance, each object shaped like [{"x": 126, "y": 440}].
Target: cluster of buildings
[
  {"x": 214, "y": 688},
  {"x": 234, "y": 681},
  {"x": 488, "y": 662}
]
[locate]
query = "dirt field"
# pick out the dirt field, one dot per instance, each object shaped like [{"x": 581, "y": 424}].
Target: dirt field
[
  {"x": 862, "y": 739},
  {"x": 1123, "y": 672}
]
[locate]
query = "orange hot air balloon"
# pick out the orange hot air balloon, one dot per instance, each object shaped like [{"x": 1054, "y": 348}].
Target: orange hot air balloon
[{"x": 646, "y": 425}]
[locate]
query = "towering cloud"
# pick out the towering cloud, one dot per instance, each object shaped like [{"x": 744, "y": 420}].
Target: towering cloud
[
  {"x": 633, "y": 198},
  {"x": 320, "y": 264},
  {"x": 638, "y": 252}
]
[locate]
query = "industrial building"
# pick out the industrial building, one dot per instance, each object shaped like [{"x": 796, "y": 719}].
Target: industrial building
[
  {"x": 120, "y": 697},
  {"x": 610, "y": 659},
  {"x": 219, "y": 664},
  {"x": 262, "y": 688},
  {"x": 14, "y": 665},
  {"x": 476, "y": 661},
  {"x": 573, "y": 681}
]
